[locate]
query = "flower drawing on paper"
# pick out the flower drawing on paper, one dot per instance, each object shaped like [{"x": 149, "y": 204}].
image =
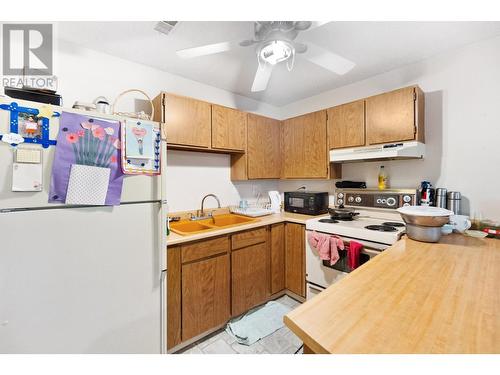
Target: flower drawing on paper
[
  {"x": 98, "y": 132},
  {"x": 94, "y": 145},
  {"x": 72, "y": 137}
]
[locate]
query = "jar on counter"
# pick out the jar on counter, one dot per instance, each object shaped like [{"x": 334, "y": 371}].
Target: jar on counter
[{"x": 454, "y": 201}]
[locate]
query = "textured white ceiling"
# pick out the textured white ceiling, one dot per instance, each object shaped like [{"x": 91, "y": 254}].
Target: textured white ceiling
[{"x": 375, "y": 47}]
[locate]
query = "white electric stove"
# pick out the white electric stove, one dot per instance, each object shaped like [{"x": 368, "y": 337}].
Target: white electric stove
[{"x": 377, "y": 226}]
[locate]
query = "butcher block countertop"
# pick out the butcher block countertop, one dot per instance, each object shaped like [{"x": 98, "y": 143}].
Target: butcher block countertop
[
  {"x": 175, "y": 239},
  {"x": 413, "y": 298}
]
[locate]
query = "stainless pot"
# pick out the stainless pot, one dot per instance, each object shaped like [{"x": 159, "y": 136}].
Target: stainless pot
[
  {"x": 425, "y": 221},
  {"x": 423, "y": 233}
]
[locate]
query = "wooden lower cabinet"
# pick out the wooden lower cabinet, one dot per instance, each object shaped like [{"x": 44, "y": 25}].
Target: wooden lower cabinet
[
  {"x": 209, "y": 281},
  {"x": 295, "y": 266},
  {"x": 277, "y": 248},
  {"x": 249, "y": 276},
  {"x": 205, "y": 295}
]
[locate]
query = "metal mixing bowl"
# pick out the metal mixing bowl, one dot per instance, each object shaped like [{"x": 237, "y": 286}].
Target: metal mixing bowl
[
  {"x": 425, "y": 221},
  {"x": 423, "y": 233}
]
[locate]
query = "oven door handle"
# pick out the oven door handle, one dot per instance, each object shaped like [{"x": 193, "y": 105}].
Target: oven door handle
[
  {"x": 371, "y": 252},
  {"x": 315, "y": 287}
]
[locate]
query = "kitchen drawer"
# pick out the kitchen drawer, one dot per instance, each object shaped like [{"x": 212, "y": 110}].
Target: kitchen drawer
[
  {"x": 204, "y": 249},
  {"x": 248, "y": 238}
]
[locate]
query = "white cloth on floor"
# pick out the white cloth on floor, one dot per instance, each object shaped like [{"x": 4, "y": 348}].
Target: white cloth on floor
[{"x": 258, "y": 323}]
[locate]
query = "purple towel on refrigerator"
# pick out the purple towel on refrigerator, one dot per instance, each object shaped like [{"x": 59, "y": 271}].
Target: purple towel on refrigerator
[{"x": 86, "y": 140}]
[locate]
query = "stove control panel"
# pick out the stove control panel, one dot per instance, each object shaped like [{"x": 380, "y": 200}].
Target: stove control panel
[{"x": 375, "y": 199}]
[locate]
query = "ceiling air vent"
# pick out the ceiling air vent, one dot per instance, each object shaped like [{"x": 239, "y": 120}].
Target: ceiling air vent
[{"x": 165, "y": 27}]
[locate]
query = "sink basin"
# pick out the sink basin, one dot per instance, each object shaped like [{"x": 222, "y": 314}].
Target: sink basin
[
  {"x": 185, "y": 227},
  {"x": 189, "y": 227},
  {"x": 228, "y": 220}
]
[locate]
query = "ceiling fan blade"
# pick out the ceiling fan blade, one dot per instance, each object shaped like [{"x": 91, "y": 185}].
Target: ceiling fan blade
[
  {"x": 248, "y": 42},
  {"x": 328, "y": 60},
  {"x": 309, "y": 25},
  {"x": 315, "y": 24},
  {"x": 209, "y": 49},
  {"x": 300, "y": 47},
  {"x": 262, "y": 76}
]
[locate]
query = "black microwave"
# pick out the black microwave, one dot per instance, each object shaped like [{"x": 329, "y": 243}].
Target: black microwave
[{"x": 306, "y": 202}]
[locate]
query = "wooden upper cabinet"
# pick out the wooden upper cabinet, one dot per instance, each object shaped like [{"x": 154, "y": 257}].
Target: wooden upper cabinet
[
  {"x": 346, "y": 125},
  {"x": 187, "y": 121},
  {"x": 263, "y": 150},
  {"x": 229, "y": 129},
  {"x": 304, "y": 146},
  {"x": 395, "y": 116}
]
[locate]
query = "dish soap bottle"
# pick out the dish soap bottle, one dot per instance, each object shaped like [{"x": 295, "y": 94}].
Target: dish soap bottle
[{"x": 383, "y": 179}]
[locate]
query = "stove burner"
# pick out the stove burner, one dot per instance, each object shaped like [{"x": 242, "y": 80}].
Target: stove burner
[
  {"x": 381, "y": 228},
  {"x": 393, "y": 224},
  {"x": 328, "y": 221}
]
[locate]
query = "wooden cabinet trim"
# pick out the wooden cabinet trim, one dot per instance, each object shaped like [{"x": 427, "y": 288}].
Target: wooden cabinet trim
[
  {"x": 204, "y": 249},
  {"x": 173, "y": 297},
  {"x": 248, "y": 238},
  {"x": 295, "y": 271},
  {"x": 277, "y": 257}
]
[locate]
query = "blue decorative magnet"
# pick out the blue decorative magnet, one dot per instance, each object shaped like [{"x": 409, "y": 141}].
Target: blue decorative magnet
[{"x": 30, "y": 123}]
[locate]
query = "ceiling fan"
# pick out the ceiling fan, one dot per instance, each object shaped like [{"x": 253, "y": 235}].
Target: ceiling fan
[{"x": 276, "y": 43}]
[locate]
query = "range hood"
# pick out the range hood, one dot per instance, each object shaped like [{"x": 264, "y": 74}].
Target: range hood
[{"x": 391, "y": 151}]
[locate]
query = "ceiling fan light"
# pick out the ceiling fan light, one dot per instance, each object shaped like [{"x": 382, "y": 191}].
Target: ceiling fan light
[{"x": 276, "y": 51}]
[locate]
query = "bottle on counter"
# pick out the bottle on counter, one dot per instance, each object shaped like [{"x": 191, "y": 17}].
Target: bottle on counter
[
  {"x": 383, "y": 178},
  {"x": 425, "y": 194},
  {"x": 453, "y": 202}
]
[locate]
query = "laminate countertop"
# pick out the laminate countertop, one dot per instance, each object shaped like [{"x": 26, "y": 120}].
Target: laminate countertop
[
  {"x": 175, "y": 239},
  {"x": 415, "y": 297}
]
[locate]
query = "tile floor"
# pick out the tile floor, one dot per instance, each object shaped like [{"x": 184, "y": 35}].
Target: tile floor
[{"x": 283, "y": 341}]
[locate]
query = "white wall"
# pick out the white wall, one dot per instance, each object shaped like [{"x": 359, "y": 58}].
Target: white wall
[
  {"x": 461, "y": 118},
  {"x": 191, "y": 175}
]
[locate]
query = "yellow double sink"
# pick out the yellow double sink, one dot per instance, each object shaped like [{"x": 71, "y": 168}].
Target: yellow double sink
[{"x": 185, "y": 227}]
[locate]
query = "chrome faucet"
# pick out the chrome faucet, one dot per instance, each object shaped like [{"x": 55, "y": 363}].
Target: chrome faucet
[{"x": 200, "y": 215}]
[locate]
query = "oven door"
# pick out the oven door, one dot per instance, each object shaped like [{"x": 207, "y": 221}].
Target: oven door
[{"x": 320, "y": 276}]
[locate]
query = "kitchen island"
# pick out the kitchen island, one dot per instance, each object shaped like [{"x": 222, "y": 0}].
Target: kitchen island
[{"x": 413, "y": 298}]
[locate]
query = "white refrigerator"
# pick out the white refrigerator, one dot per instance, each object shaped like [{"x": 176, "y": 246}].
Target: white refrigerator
[{"x": 80, "y": 279}]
